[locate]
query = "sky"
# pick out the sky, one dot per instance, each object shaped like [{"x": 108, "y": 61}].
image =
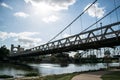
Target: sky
[{"x": 30, "y": 23}]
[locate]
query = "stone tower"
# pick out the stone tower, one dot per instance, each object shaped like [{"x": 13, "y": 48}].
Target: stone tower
[{"x": 15, "y": 49}]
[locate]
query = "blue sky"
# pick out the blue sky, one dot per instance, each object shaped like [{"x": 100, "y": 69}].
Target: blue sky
[{"x": 34, "y": 22}]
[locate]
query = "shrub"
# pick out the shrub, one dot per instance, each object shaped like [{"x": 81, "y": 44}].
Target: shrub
[{"x": 31, "y": 74}]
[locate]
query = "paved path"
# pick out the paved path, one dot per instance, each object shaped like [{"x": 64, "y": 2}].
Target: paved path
[{"x": 90, "y": 75}]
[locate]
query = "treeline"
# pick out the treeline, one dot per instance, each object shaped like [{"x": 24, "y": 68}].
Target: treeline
[
  {"x": 3, "y": 52},
  {"x": 65, "y": 58},
  {"x": 57, "y": 57}
]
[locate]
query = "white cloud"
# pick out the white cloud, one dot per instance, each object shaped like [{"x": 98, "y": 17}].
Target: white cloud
[
  {"x": 6, "y": 5},
  {"x": 3, "y": 35},
  {"x": 55, "y": 5},
  {"x": 21, "y": 14},
  {"x": 45, "y": 8},
  {"x": 28, "y": 34},
  {"x": 95, "y": 10},
  {"x": 29, "y": 41},
  {"x": 52, "y": 18},
  {"x": 26, "y": 39}
]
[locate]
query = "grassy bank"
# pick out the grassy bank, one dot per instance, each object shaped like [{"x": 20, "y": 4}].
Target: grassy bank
[
  {"x": 60, "y": 77},
  {"x": 68, "y": 76},
  {"x": 114, "y": 75}
]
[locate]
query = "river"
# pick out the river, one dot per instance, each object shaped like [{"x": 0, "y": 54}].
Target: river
[{"x": 48, "y": 68}]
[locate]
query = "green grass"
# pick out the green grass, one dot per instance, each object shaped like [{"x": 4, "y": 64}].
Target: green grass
[
  {"x": 68, "y": 76},
  {"x": 60, "y": 77},
  {"x": 115, "y": 75}
]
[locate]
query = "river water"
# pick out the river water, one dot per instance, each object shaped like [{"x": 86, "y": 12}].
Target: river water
[{"x": 48, "y": 68}]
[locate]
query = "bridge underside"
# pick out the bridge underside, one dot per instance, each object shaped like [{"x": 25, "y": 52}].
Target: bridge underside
[{"x": 93, "y": 45}]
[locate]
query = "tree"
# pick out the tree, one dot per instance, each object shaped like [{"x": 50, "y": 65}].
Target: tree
[
  {"x": 92, "y": 58},
  {"x": 3, "y": 52},
  {"x": 60, "y": 58}
]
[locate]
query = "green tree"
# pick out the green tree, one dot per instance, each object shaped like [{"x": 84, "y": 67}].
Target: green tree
[
  {"x": 92, "y": 58},
  {"x": 3, "y": 52},
  {"x": 60, "y": 58}
]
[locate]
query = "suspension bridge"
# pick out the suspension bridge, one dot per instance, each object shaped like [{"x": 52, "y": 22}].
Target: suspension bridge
[
  {"x": 108, "y": 36},
  {"x": 102, "y": 36}
]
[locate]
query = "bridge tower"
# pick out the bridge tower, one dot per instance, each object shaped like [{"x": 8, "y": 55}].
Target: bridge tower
[{"x": 16, "y": 49}]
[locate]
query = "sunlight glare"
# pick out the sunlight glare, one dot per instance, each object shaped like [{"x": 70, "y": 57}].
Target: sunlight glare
[{"x": 42, "y": 8}]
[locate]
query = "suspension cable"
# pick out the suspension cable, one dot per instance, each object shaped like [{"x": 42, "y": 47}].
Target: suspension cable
[
  {"x": 110, "y": 19},
  {"x": 81, "y": 23},
  {"x": 70, "y": 30},
  {"x": 90, "y": 25},
  {"x": 72, "y": 22},
  {"x": 96, "y": 16},
  {"x": 101, "y": 18},
  {"x": 116, "y": 10}
]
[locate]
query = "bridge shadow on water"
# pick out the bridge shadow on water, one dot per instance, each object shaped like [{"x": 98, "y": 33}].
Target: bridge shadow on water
[
  {"x": 15, "y": 68},
  {"x": 18, "y": 66}
]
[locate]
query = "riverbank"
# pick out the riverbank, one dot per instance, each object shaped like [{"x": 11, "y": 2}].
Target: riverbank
[
  {"x": 113, "y": 75},
  {"x": 67, "y": 76}
]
